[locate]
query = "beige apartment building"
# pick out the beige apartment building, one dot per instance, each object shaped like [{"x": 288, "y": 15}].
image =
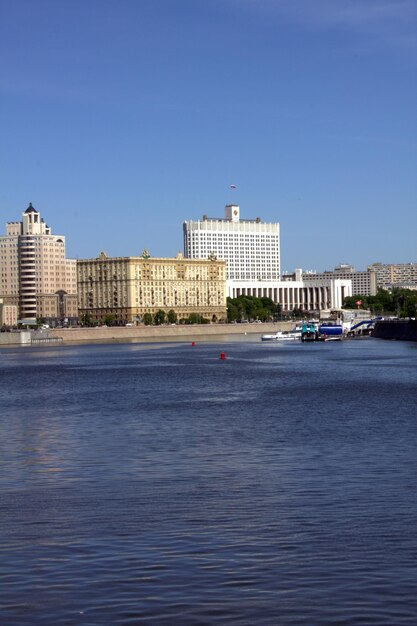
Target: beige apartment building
[
  {"x": 389, "y": 275},
  {"x": 8, "y": 314},
  {"x": 363, "y": 282},
  {"x": 35, "y": 276},
  {"x": 128, "y": 287}
]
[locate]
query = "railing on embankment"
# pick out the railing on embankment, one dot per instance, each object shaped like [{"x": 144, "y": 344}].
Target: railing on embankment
[
  {"x": 27, "y": 338},
  {"x": 43, "y": 340}
]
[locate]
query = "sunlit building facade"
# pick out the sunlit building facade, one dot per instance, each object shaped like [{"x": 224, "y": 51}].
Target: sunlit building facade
[
  {"x": 251, "y": 248},
  {"x": 126, "y": 288},
  {"x": 8, "y": 314},
  {"x": 309, "y": 296},
  {"x": 35, "y": 276},
  {"x": 363, "y": 282},
  {"x": 389, "y": 275}
]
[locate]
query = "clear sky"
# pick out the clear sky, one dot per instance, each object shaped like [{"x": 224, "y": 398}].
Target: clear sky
[{"x": 120, "y": 119}]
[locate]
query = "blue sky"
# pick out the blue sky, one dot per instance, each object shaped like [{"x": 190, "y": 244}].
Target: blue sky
[{"x": 120, "y": 119}]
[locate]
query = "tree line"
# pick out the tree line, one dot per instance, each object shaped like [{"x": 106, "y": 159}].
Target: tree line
[
  {"x": 250, "y": 308},
  {"x": 148, "y": 319},
  {"x": 398, "y": 302},
  {"x": 160, "y": 317}
]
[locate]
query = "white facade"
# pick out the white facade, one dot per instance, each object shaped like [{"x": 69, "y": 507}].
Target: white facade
[
  {"x": 323, "y": 293},
  {"x": 251, "y": 248}
]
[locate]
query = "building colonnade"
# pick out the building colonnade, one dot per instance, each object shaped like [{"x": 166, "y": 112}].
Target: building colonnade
[{"x": 327, "y": 294}]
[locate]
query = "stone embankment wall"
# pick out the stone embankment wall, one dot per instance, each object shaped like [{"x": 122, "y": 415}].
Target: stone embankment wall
[
  {"x": 15, "y": 338},
  {"x": 155, "y": 333},
  {"x": 104, "y": 334}
]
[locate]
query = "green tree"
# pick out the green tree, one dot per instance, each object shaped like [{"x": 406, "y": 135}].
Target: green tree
[
  {"x": 109, "y": 320},
  {"x": 232, "y": 313},
  {"x": 193, "y": 318},
  {"x": 381, "y": 303},
  {"x": 86, "y": 320},
  {"x": 147, "y": 319},
  {"x": 410, "y": 307},
  {"x": 263, "y": 314},
  {"x": 400, "y": 302},
  {"x": 159, "y": 317},
  {"x": 278, "y": 311},
  {"x": 251, "y": 308},
  {"x": 172, "y": 317},
  {"x": 196, "y": 318},
  {"x": 271, "y": 307},
  {"x": 404, "y": 302}
]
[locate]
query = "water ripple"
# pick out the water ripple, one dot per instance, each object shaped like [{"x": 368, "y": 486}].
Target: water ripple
[{"x": 162, "y": 486}]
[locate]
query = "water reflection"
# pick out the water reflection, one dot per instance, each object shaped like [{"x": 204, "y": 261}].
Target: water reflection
[{"x": 165, "y": 486}]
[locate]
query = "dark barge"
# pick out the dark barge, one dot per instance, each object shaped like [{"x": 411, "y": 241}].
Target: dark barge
[{"x": 403, "y": 330}]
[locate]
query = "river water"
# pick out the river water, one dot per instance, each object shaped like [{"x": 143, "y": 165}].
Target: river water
[{"x": 159, "y": 484}]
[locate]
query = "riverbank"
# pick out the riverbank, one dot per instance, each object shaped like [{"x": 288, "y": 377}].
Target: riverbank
[
  {"x": 156, "y": 333},
  {"x": 112, "y": 334}
]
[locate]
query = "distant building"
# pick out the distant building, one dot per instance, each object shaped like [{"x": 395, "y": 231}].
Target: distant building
[
  {"x": 8, "y": 314},
  {"x": 363, "y": 282},
  {"x": 395, "y": 275},
  {"x": 35, "y": 275},
  {"x": 323, "y": 293},
  {"x": 366, "y": 283},
  {"x": 128, "y": 287},
  {"x": 251, "y": 248}
]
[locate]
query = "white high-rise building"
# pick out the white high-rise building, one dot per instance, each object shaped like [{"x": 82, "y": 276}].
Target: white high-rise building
[{"x": 251, "y": 248}]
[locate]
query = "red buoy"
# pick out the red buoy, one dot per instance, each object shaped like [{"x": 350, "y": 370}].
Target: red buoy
[
  {"x": 222, "y": 356},
  {"x": 193, "y": 343}
]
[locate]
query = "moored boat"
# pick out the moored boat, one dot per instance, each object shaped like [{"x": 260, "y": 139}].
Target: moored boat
[
  {"x": 309, "y": 332},
  {"x": 284, "y": 335},
  {"x": 330, "y": 332}
]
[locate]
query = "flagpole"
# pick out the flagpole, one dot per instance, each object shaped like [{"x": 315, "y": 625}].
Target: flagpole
[{"x": 232, "y": 188}]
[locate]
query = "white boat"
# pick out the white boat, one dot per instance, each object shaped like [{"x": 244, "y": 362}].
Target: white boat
[{"x": 284, "y": 335}]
